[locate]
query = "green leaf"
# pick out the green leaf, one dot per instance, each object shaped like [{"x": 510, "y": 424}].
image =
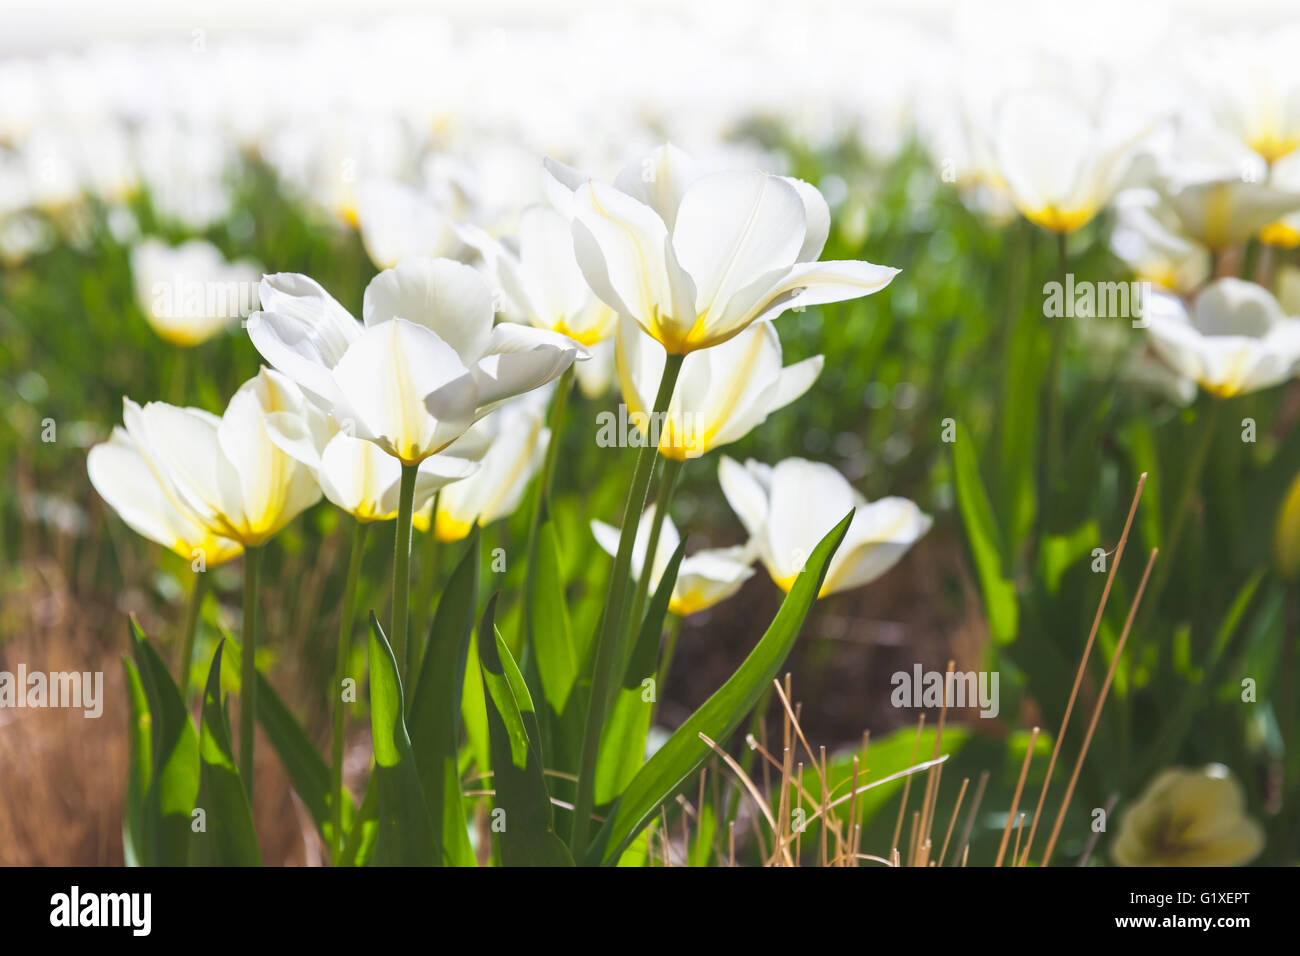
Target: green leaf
[
  {"x": 622, "y": 740},
  {"x": 135, "y": 845},
  {"x": 435, "y": 708},
  {"x": 982, "y": 532},
  {"x": 671, "y": 766},
  {"x": 557, "y": 656},
  {"x": 228, "y": 838},
  {"x": 406, "y": 835},
  {"x": 174, "y": 779},
  {"x": 528, "y": 837}
]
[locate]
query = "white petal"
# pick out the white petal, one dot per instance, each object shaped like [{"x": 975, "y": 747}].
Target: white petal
[{"x": 447, "y": 297}]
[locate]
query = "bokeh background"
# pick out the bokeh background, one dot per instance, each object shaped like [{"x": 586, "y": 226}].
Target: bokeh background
[{"x": 317, "y": 137}]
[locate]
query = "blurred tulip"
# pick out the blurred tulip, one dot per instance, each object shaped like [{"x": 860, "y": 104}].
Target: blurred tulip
[
  {"x": 515, "y": 441},
  {"x": 1146, "y": 238},
  {"x": 1061, "y": 162},
  {"x": 722, "y": 393},
  {"x": 1235, "y": 340},
  {"x": 696, "y": 261},
  {"x": 1189, "y": 818},
  {"x": 426, "y": 364},
  {"x": 1287, "y": 536},
  {"x": 144, "y": 495},
  {"x": 703, "y": 579},
  {"x": 399, "y": 222},
  {"x": 189, "y": 292},
  {"x": 788, "y": 508},
  {"x": 539, "y": 279}
]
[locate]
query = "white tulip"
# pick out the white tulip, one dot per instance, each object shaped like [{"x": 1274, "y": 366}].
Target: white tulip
[
  {"x": 144, "y": 495},
  {"x": 1146, "y": 238},
  {"x": 704, "y": 579},
  {"x": 515, "y": 440},
  {"x": 696, "y": 261},
  {"x": 721, "y": 394},
  {"x": 227, "y": 473},
  {"x": 539, "y": 279},
  {"x": 1060, "y": 161},
  {"x": 1220, "y": 191},
  {"x": 788, "y": 508},
  {"x": 399, "y": 222},
  {"x": 1236, "y": 339},
  {"x": 426, "y": 364},
  {"x": 189, "y": 292}
]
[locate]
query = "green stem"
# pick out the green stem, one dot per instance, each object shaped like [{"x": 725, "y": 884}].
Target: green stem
[
  {"x": 1047, "y": 468},
  {"x": 402, "y": 571},
  {"x": 248, "y": 669},
  {"x": 197, "y": 593},
  {"x": 674, "y": 628},
  {"x": 343, "y": 652},
  {"x": 610, "y": 640},
  {"x": 668, "y": 475}
]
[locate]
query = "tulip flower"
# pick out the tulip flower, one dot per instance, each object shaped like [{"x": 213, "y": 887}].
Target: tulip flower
[
  {"x": 189, "y": 292},
  {"x": 144, "y": 495},
  {"x": 516, "y": 442},
  {"x": 722, "y": 394},
  {"x": 231, "y": 478},
  {"x": 789, "y": 507},
  {"x": 399, "y": 222},
  {"x": 356, "y": 475},
  {"x": 1146, "y": 237},
  {"x": 1061, "y": 162},
  {"x": 1235, "y": 339},
  {"x": 1287, "y": 536},
  {"x": 1220, "y": 192},
  {"x": 696, "y": 262},
  {"x": 539, "y": 279},
  {"x": 1189, "y": 817},
  {"x": 426, "y": 364},
  {"x": 704, "y": 579}
]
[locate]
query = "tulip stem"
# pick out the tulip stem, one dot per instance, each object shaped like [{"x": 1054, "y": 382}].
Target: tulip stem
[
  {"x": 346, "y": 617},
  {"x": 402, "y": 570},
  {"x": 613, "y": 622},
  {"x": 1047, "y": 469},
  {"x": 195, "y": 605},
  {"x": 668, "y": 474},
  {"x": 248, "y": 669}
]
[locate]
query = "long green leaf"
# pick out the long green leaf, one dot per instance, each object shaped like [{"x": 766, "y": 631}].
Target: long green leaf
[
  {"x": 622, "y": 741},
  {"x": 525, "y": 830},
  {"x": 406, "y": 835},
  {"x": 982, "y": 532},
  {"x": 135, "y": 846},
  {"x": 228, "y": 838},
  {"x": 435, "y": 708},
  {"x": 174, "y": 780},
  {"x": 557, "y": 657},
  {"x": 679, "y": 758}
]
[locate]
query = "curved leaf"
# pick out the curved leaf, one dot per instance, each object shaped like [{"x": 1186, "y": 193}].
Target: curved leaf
[
  {"x": 527, "y": 836},
  {"x": 228, "y": 838},
  {"x": 719, "y": 716},
  {"x": 405, "y": 834}
]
